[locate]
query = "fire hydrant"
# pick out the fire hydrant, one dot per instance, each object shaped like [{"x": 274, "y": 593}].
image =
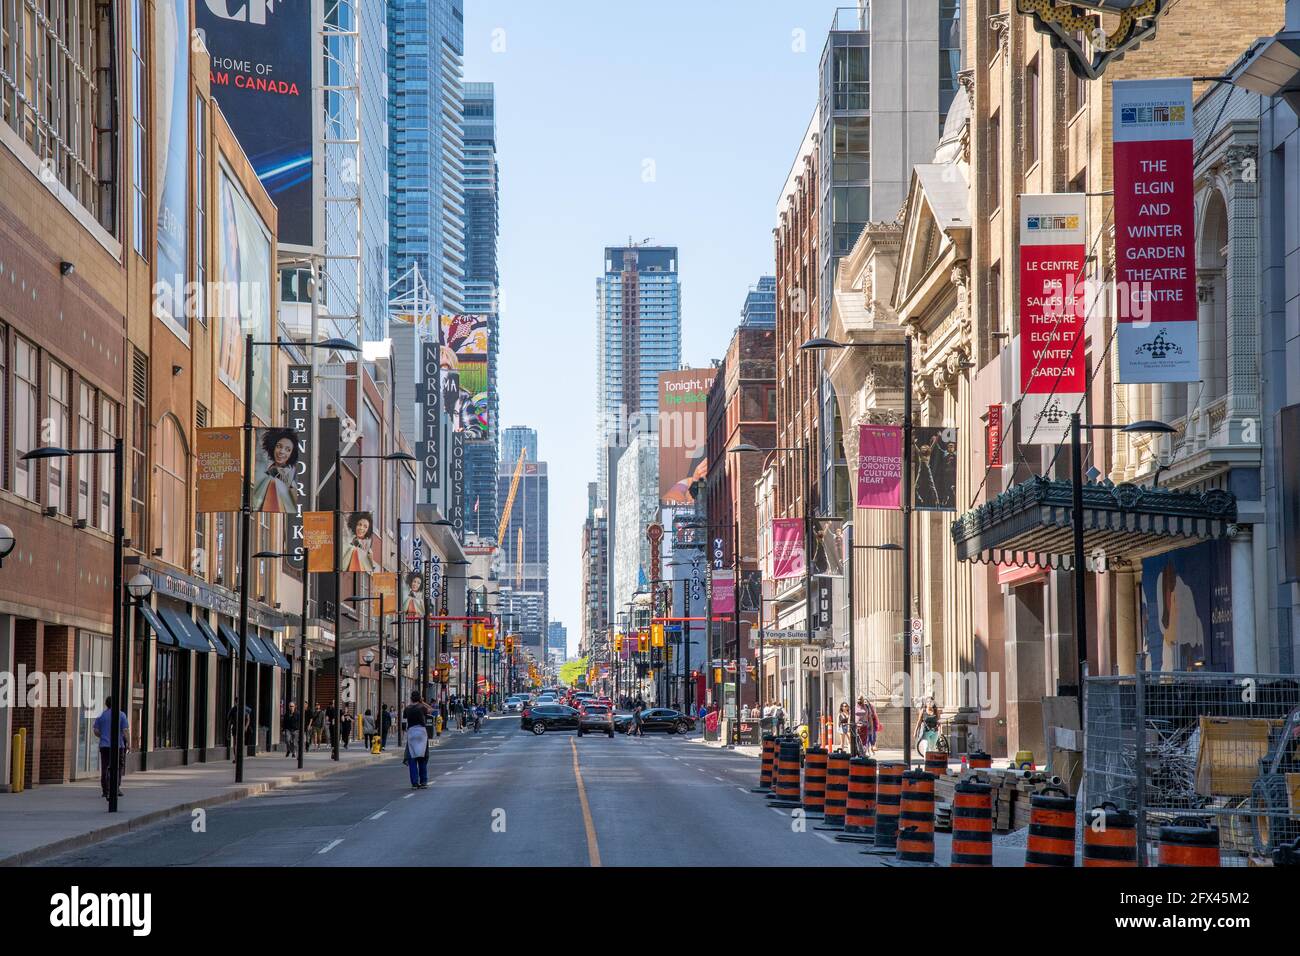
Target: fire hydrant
[{"x": 374, "y": 744}]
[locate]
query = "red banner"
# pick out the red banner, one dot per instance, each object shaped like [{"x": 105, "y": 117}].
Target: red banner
[
  {"x": 788, "y": 554},
  {"x": 880, "y": 466}
]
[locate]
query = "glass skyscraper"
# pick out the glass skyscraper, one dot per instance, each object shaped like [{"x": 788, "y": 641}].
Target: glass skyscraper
[
  {"x": 638, "y": 335},
  {"x": 759, "y": 310},
  {"x": 525, "y": 546},
  {"x": 514, "y": 439},
  {"x": 481, "y": 285}
]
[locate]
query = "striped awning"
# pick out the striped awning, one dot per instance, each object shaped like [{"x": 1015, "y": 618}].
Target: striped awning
[{"x": 1031, "y": 524}]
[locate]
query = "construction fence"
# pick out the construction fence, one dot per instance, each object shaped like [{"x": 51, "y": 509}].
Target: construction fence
[{"x": 1199, "y": 749}]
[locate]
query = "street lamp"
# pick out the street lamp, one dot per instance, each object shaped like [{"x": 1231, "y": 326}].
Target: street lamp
[
  {"x": 119, "y": 541},
  {"x": 1145, "y": 427},
  {"x": 302, "y": 650},
  {"x": 424, "y": 634},
  {"x": 852, "y": 549},
  {"x": 7, "y": 543},
  {"x": 369, "y": 655},
  {"x": 825, "y": 344}
]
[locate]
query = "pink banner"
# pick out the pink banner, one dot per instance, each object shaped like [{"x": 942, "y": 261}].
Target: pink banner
[
  {"x": 788, "y": 557},
  {"x": 724, "y": 593},
  {"x": 880, "y": 466}
]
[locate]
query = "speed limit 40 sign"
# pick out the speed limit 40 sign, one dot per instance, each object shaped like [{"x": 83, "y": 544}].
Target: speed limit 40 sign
[{"x": 810, "y": 658}]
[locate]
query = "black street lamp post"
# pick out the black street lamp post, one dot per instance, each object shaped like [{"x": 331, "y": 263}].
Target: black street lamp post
[
  {"x": 852, "y": 550},
  {"x": 302, "y": 649}
]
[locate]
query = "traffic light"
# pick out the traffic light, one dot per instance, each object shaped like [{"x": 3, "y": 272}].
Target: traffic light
[
  {"x": 642, "y": 641},
  {"x": 618, "y": 643}
]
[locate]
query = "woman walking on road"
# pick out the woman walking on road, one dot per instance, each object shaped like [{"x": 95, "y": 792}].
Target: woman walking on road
[
  {"x": 368, "y": 727},
  {"x": 417, "y": 742}
]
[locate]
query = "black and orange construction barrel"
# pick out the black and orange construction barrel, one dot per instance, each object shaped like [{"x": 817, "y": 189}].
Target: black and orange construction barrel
[
  {"x": 972, "y": 824},
  {"x": 1051, "y": 829},
  {"x": 936, "y": 762},
  {"x": 814, "y": 781},
  {"x": 837, "y": 791},
  {"x": 979, "y": 760},
  {"x": 860, "y": 804},
  {"x": 786, "y": 792},
  {"x": 889, "y": 793},
  {"x": 916, "y": 818},
  {"x": 1109, "y": 837},
  {"x": 1189, "y": 842},
  {"x": 767, "y": 765}
]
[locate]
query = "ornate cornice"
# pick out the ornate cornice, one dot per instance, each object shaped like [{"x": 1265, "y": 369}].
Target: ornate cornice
[{"x": 1000, "y": 24}]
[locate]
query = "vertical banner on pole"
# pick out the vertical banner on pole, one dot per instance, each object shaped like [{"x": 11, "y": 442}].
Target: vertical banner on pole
[
  {"x": 318, "y": 540},
  {"x": 299, "y": 421},
  {"x": 218, "y": 475},
  {"x": 1053, "y": 373},
  {"x": 880, "y": 466},
  {"x": 1155, "y": 260},
  {"x": 993, "y": 438},
  {"x": 788, "y": 558},
  {"x": 383, "y": 585}
]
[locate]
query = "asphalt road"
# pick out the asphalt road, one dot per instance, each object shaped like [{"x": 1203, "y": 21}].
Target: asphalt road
[{"x": 503, "y": 798}]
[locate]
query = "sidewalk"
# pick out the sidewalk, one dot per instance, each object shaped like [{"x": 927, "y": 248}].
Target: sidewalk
[{"x": 48, "y": 820}]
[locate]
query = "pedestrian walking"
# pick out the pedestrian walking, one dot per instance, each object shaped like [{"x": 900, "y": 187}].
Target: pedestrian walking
[
  {"x": 238, "y": 733},
  {"x": 332, "y": 721},
  {"x": 778, "y": 718},
  {"x": 345, "y": 723},
  {"x": 289, "y": 729},
  {"x": 843, "y": 725},
  {"x": 385, "y": 724},
  {"x": 636, "y": 720},
  {"x": 368, "y": 728},
  {"x": 868, "y": 726},
  {"x": 318, "y": 720},
  {"x": 417, "y": 742},
  {"x": 104, "y": 736}
]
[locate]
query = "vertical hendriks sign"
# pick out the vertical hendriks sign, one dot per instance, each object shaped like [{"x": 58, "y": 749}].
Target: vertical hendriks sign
[
  {"x": 1053, "y": 372},
  {"x": 299, "y": 421},
  {"x": 429, "y": 448},
  {"x": 1155, "y": 261}
]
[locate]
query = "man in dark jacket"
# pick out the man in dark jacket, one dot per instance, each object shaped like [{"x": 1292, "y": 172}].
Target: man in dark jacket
[
  {"x": 385, "y": 722},
  {"x": 289, "y": 727}
]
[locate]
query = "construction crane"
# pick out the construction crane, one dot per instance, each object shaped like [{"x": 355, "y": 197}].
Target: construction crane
[{"x": 510, "y": 498}]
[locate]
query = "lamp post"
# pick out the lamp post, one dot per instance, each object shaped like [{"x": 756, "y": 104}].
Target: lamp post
[
  {"x": 424, "y": 631},
  {"x": 355, "y": 600},
  {"x": 852, "y": 550},
  {"x": 1077, "y": 427},
  {"x": 823, "y": 344},
  {"x": 302, "y": 649},
  {"x": 119, "y": 598},
  {"x": 7, "y": 543}
]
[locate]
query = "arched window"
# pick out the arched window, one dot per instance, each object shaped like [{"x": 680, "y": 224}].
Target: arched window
[
  {"x": 172, "y": 491},
  {"x": 1212, "y": 289}
]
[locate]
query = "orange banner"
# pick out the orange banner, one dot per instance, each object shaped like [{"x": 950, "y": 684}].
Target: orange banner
[
  {"x": 318, "y": 540},
  {"x": 383, "y": 584},
  {"x": 218, "y": 477}
]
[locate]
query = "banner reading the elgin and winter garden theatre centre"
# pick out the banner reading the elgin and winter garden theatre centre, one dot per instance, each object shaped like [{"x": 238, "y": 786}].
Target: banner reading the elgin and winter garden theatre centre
[
  {"x": 1155, "y": 262},
  {"x": 788, "y": 557},
  {"x": 218, "y": 476},
  {"x": 880, "y": 466},
  {"x": 1053, "y": 373}
]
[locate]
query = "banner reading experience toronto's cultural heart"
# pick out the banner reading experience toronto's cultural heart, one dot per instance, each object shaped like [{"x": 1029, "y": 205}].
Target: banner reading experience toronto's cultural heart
[
  {"x": 880, "y": 466},
  {"x": 1052, "y": 367},
  {"x": 1155, "y": 260},
  {"x": 788, "y": 559}
]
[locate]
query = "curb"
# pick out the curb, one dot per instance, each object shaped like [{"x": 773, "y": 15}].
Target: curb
[{"x": 100, "y": 834}]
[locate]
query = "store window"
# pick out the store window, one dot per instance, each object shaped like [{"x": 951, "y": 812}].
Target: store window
[
  {"x": 26, "y": 433},
  {"x": 95, "y": 661},
  {"x": 167, "y": 708},
  {"x": 85, "y": 439},
  {"x": 55, "y": 429},
  {"x": 107, "y": 484}
]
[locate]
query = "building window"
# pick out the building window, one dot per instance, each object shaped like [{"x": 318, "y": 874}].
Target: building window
[
  {"x": 107, "y": 486},
  {"x": 949, "y": 55},
  {"x": 56, "y": 423},
  {"x": 1076, "y": 90},
  {"x": 26, "y": 433},
  {"x": 167, "y": 712},
  {"x": 85, "y": 439},
  {"x": 139, "y": 456},
  {"x": 200, "y": 212},
  {"x": 1033, "y": 102},
  {"x": 995, "y": 302},
  {"x": 995, "y": 161},
  {"x": 852, "y": 78},
  {"x": 851, "y": 153},
  {"x": 139, "y": 141},
  {"x": 172, "y": 489}
]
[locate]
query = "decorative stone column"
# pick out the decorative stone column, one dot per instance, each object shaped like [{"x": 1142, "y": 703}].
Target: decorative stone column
[{"x": 1243, "y": 601}]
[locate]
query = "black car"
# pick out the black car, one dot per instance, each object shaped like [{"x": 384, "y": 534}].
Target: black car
[
  {"x": 596, "y": 718},
  {"x": 658, "y": 719},
  {"x": 543, "y": 717}
]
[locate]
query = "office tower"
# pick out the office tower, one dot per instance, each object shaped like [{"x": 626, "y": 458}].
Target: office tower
[
  {"x": 638, "y": 335},
  {"x": 525, "y": 545},
  {"x": 595, "y": 573},
  {"x": 557, "y": 638},
  {"x": 514, "y": 439},
  {"x": 481, "y": 286},
  {"x": 525, "y": 614},
  {"x": 637, "y": 492},
  {"x": 759, "y": 310}
]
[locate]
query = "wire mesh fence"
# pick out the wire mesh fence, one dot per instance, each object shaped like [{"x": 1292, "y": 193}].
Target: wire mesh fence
[{"x": 1200, "y": 749}]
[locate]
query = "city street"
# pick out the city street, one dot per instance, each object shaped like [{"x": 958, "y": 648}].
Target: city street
[{"x": 502, "y": 798}]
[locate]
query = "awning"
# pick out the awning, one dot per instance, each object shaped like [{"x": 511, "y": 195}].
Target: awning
[
  {"x": 280, "y": 660},
  {"x": 1031, "y": 524},
  {"x": 186, "y": 631},
  {"x": 159, "y": 629},
  {"x": 257, "y": 653},
  {"x": 217, "y": 643}
]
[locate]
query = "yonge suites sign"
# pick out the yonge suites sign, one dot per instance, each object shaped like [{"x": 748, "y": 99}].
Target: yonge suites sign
[{"x": 1155, "y": 262}]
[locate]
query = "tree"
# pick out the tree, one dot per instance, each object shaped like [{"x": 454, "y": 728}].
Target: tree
[{"x": 571, "y": 670}]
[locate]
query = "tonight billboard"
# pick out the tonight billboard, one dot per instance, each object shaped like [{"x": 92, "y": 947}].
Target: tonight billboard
[
  {"x": 262, "y": 69},
  {"x": 683, "y": 432}
]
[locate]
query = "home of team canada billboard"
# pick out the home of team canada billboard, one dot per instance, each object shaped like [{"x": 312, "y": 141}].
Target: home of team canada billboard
[
  {"x": 683, "y": 432},
  {"x": 262, "y": 69}
]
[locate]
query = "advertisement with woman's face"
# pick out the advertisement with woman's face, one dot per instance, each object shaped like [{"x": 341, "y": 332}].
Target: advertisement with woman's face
[
  {"x": 356, "y": 546},
  {"x": 275, "y": 471}
]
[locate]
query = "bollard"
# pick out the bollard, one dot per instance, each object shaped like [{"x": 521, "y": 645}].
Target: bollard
[
  {"x": 972, "y": 824},
  {"x": 980, "y": 760},
  {"x": 860, "y": 806},
  {"x": 837, "y": 791},
  {"x": 786, "y": 791},
  {"x": 767, "y": 766},
  {"x": 889, "y": 790},
  {"x": 18, "y": 768},
  {"x": 814, "y": 782},
  {"x": 1051, "y": 829},
  {"x": 1114, "y": 843},
  {"x": 1188, "y": 842},
  {"x": 936, "y": 762},
  {"x": 916, "y": 819}
]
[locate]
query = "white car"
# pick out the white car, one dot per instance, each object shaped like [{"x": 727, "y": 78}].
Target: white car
[{"x": 516, "y": 703}]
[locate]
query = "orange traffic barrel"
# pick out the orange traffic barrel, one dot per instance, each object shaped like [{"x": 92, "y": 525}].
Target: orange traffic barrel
[
  {"x": 1109, "y": 837},
  {"x": 936, "y": 762},
  {"x": 814, "y": 781},
  {"x": 837, "y": 790},
  {"x": 767, "y": 766},
  {"x": 1051, "y": 829},
  {"x": 860, "y": 804},
  {"x": 972, "y": 824},
  {"x": 889, "y": 793},
  {"x": 786, "y": 786},
  {"x": 916, "y": 819},
  {"x": 979, "y": 760},
  {"x": 1188, "y": 842}
]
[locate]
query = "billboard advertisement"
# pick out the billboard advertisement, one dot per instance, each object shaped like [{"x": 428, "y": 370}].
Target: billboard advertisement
[
  {"x": 171, "y": 25},
  {"x": 241, "y": 298},
  {"x": 429, "y": 447},
  {"x": 1187, "y": 608},
  {"x": 683, "y": 432},
  {"x": 1053, "y": 371},
  {"x": 465, "y": 375},
  {"x": 934, "y": 469},
  {"x": 1155, "y": 261},
  {"x": 880, "y": 466},
  {"x": 262, "y": 77}
]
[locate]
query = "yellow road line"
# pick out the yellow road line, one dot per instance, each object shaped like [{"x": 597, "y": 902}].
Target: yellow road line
[{"x": 593, "y": 849}]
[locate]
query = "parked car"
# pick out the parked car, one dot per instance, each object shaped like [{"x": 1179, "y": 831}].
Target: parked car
[
  {"x": 663, "y": 719},
  {"x": 539, "y": 718},
  {"x": 596, "y": 719}
]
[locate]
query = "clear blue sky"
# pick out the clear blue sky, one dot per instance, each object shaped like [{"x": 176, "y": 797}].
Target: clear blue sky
[{"x": 717, "y": 94}]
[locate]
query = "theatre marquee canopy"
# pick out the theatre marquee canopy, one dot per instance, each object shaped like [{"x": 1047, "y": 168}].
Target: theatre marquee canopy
[{"x": 1030, "y": 524}]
